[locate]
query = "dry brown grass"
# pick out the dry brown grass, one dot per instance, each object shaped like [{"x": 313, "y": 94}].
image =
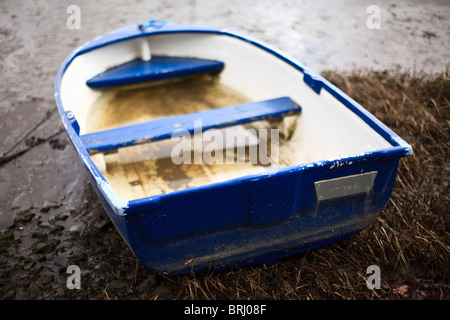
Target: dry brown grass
[{"x": 410, "y": 241}]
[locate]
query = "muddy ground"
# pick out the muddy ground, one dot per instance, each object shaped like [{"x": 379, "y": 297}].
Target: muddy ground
[{"x": 50, "y": 217}]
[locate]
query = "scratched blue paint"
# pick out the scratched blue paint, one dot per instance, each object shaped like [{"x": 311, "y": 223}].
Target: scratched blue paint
[
  {"x": 163, "y": 128},
  {"x": 158, "y": 68},
  {"x": 252, "y": 219}
]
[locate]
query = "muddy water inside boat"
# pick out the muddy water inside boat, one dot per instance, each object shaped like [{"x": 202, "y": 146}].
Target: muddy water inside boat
[
  {"x": 149, "y": 177},
  {"x": 137, "y": 104}
]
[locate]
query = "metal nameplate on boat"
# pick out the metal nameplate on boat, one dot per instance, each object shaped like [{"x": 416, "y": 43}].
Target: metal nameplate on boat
[{"x": 344, "y": 186}]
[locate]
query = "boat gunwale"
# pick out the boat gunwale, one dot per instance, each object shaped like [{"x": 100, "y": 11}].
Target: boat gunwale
[{"x": 399, "y": 147}]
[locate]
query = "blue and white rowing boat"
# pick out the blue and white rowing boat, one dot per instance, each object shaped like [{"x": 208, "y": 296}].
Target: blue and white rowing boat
[{"x": 128, "y": 99}]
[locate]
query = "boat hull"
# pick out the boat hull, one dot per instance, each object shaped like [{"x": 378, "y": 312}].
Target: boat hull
[{"x": 240, "y": 225}]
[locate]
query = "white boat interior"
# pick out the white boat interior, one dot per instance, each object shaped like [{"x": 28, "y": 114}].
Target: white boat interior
[{"x": 324, "y": 129}]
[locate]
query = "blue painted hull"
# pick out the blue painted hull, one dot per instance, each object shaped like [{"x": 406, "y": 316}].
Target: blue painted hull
[
  {"x": 187, "y": 233},
  {"x": 250, "y": 220},
  {"x": 200, "y": 236}
]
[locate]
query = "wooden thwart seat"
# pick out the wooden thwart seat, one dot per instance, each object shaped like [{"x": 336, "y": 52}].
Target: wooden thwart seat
[
  {"x": 156, "y": 69},
  {"x": 164, "y": 128}
]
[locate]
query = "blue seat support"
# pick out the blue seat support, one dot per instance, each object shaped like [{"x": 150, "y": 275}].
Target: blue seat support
[
  {"x": 163, "y": 128},
  {"x": 158, "y": 68}
]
